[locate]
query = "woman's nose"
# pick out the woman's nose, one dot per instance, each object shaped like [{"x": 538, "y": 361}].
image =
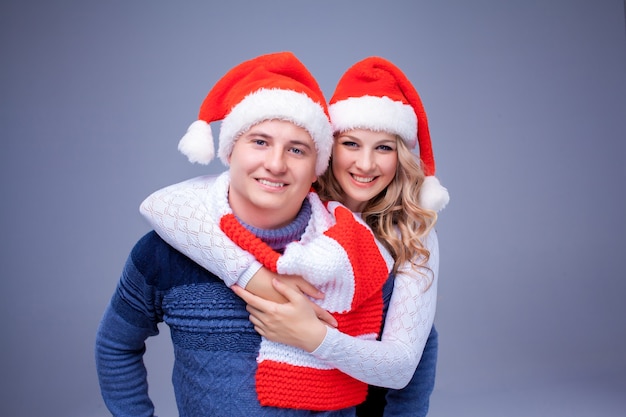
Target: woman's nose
[{"x": 365, "y": 161}]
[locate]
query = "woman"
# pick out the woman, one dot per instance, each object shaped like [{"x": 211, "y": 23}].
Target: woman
[{"x": 378, "y": 117}]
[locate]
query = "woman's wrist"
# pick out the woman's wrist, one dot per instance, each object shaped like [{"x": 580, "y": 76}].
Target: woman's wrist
[
  {"x": 261, "y": 285},
  {"x": 249, "y": 273},
  {"x": 316, "y": 337}
]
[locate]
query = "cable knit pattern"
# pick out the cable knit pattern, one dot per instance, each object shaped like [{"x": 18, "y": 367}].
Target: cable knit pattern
[{"x": 182, "y": 215}]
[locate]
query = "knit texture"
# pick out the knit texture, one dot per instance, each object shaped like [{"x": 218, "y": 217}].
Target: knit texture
[
  {"x": 184, "y": 215},
  {"x": 215, "y": 345},
  {"x": 289, "y": 377}
]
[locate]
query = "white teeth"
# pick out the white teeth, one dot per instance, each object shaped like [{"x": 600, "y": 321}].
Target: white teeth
[
  {"x": 271, "y": 184},
  {"x": 363, "y": 179}
]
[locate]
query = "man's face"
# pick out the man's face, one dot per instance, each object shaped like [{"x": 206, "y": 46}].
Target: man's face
[{"x": 272, "y": 167}]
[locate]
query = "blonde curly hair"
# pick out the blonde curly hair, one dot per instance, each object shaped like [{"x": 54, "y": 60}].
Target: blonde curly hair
[{"x": 394, "y": 215}]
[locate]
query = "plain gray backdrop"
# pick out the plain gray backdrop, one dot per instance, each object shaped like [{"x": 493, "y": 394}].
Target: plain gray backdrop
[{"x": 527, "y": 108}]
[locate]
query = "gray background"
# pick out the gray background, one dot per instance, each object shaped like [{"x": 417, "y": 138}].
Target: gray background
[{"x": 527, "y": 109}]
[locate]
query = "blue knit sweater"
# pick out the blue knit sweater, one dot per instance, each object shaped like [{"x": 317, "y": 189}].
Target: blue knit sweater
[{"x": 215, "y": 346}]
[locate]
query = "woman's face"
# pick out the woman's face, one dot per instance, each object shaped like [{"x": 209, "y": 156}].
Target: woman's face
[{"x": 364, "y": 163}]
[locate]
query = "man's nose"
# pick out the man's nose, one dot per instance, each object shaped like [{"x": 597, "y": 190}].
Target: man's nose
[{"x": 275, "y": 160}]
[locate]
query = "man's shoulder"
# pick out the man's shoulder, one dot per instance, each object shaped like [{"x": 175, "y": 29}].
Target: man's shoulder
[
  {"x": 150, "y": 245},
  {"x": 164, "y": 266},
  {"x": 151, "y": 255}
]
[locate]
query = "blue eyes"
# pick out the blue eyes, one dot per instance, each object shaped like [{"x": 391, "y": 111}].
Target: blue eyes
[
  {"x": 384, "y": 148},
  {"x": 264, "y": 143}
]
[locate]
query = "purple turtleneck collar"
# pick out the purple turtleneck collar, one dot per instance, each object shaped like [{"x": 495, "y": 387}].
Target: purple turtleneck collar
[{"x": 277, "y": 239}]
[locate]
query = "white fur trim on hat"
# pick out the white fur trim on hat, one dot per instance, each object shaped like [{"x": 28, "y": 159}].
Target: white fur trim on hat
[
  {"x": 278, "y": 104},
  {"x": 380, "y": 114},
  {"x": 433, "y": 195},
  {"x": 197, "y": 144}
]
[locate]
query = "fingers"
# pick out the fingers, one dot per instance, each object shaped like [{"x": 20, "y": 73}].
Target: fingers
[
  {"x": 295, "y": 297},
  {"x": 257, "y": 307},
  {"x": 284, "y": 290},
  {"x": 256, "y": 318},
  {"x": 324, "y": 315},
  {"x": 251, "y": 299},
  {"x": 309, "y": 289}
]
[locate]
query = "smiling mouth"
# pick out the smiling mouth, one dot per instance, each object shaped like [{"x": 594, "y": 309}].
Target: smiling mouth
[
  {"x": 271, "y": 183},
  {"x": 363, "y": 180}
]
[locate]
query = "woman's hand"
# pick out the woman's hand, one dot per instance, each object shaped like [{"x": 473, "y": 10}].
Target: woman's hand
[
  {"x": 295, "y": 323},
  {"x": 262, "y": 285}
]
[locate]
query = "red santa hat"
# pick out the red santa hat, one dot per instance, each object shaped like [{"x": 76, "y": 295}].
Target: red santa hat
[
  {"x": 274, "y": 86},
  {"x": 374, "y": 94}
]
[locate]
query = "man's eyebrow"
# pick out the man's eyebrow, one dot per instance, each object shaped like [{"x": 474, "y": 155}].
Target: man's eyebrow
[
  {"x": 292, "y": 142},
  {"x": 259, "y": 133},
  {"x": 300, "y": 143}
]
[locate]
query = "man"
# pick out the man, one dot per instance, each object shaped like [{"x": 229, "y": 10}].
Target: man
[{"x": 276, "y": 138}]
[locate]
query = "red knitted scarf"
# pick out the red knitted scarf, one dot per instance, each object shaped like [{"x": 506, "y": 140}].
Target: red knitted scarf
[{"x": 285, "y": 385}]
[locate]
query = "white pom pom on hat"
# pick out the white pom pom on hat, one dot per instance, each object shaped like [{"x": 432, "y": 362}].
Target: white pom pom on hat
[
  {"x": 197, "y": 144},
  {"x": 374, "y": 94},
  {"x": 273, "y": 86},
  {"x": 433, "y": 195}
]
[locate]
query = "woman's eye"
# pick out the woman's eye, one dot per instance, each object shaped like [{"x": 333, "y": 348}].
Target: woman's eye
[
  {"x": 349, "y": 144},
  {"x": 385, "y": 148},
  {"x": 260, "y": 142}
]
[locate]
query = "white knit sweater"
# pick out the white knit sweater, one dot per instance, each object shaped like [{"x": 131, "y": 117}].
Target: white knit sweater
[{"x": 185, "y": 216}]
